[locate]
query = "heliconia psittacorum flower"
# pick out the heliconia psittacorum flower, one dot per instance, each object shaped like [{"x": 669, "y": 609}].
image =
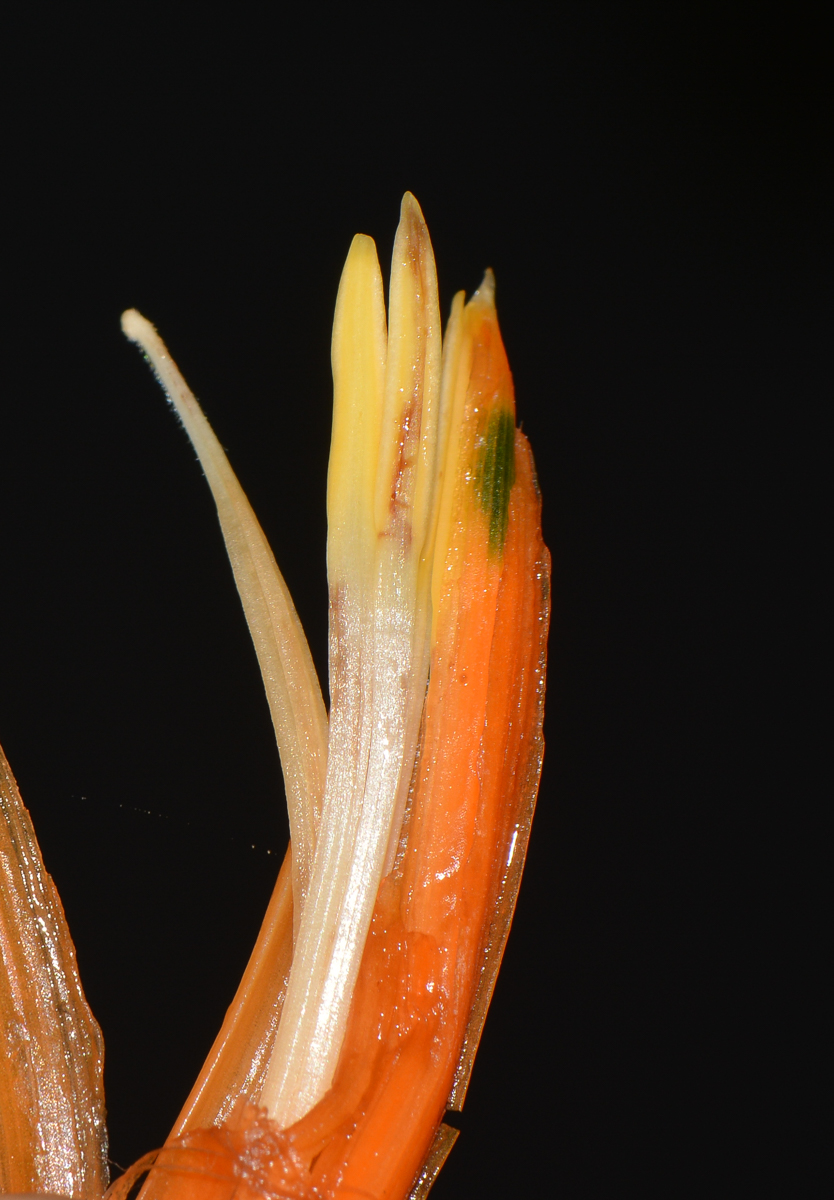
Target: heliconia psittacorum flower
[{"x": 410, "y": 801}]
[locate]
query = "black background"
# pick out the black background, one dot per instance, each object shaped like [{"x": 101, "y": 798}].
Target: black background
[{"x": 648, "y": 186}]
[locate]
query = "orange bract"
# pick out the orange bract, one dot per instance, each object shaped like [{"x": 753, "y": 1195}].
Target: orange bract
[{"x": 52, "y": 1132}]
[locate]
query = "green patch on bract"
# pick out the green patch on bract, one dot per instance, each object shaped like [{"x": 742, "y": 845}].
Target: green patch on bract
[{"x": 495, "y": 474}]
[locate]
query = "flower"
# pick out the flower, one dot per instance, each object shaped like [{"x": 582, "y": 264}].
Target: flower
[{"x": 356, "y": 1022}]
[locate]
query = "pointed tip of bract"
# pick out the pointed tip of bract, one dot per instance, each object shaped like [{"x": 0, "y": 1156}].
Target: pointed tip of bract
[{"x": 486, "y": 292}]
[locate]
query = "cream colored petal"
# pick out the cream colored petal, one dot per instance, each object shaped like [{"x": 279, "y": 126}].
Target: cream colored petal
[
  {"x": 379, "y": 613},
  {"x": 292, "y": 687}
]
